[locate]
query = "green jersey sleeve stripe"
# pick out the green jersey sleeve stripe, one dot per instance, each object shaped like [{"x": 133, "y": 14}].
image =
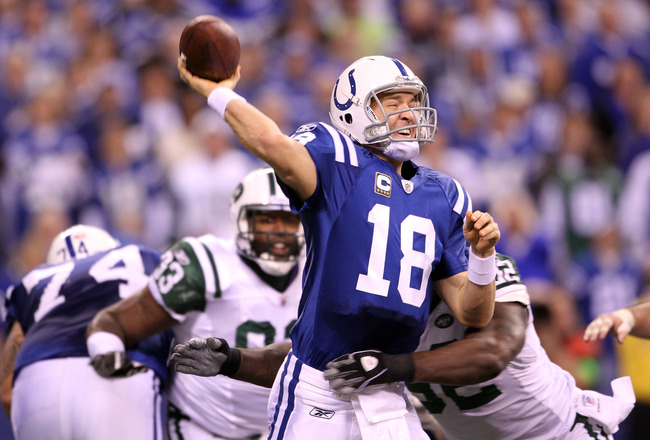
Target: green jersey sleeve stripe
[
  {"x": 207, "y": 264},
  {"x": 217, "y": 287}
]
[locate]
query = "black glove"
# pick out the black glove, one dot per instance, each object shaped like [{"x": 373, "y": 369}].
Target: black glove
[
  {"x": 206, "y": 357},
  {"x": 115, "y": 364},
  {"x": 355, "y": 371}
]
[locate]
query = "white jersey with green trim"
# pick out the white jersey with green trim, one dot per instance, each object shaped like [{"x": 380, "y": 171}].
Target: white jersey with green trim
[
  {"x": 531, "y": 398},
  {"x": 204, "y": 284}
]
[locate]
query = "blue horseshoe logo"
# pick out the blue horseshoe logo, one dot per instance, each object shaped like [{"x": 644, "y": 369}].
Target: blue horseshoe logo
[{"x": 353, "y": 89}]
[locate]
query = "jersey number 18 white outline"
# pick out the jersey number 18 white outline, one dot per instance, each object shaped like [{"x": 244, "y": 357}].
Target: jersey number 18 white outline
[{"x": 373, "y": 282}]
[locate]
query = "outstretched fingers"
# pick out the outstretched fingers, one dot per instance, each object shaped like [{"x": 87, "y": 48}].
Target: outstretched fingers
[
  {"x": 598, "y": 328},
  {"x": 618, "y": 323}
]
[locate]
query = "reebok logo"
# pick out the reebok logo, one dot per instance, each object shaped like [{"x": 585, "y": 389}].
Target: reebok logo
[{"x": 321, "y": 413}]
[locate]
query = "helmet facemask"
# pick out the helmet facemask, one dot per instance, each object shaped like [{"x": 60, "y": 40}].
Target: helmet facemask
[{"x": 425, "y": 118}]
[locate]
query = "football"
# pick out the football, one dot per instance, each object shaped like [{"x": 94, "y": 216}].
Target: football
[{"x": 209, "y": 48}]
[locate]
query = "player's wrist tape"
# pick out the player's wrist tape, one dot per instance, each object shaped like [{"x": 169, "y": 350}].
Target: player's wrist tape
[
  {"x": 232, "y": 363},
  {"x": 400, "y": 367},
  {"x": 219, "y": 98},
  {"x": 103, "y": 342},
  {"x": 481, "y": 271}
]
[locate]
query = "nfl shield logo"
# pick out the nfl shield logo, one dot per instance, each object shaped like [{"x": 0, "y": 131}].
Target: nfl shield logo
[
  {"x": 408, "y": 186},
  {"x": 588, "y": 400}
]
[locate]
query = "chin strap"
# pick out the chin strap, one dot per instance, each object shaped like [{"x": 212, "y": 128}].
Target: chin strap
[{"x": 402, "y": 151}]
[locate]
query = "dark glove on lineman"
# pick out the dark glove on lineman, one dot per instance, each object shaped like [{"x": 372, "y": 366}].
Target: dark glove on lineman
[
  {"x": 355, "y": 371},
  {"x": 115, "y": 364},
  {"x": 206, "y": 357}
]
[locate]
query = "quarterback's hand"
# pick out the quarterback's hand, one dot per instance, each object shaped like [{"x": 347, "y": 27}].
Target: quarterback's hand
[
  {"x": 206, "y": 357},
  {"x": 618, "y": 323},
  {"x": 355, "y": 371},
  {"x": 115, "y": 364},
  {"x": 482, "y": 232},
  {"x": 205, "y": 86}
]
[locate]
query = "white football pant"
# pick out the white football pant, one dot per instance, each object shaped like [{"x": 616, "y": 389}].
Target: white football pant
[
  {"x": 303, "y": 406},
  {"x": 64, "y": 399}
]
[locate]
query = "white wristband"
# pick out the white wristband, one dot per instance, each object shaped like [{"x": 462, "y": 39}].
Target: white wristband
[
  {"x": 220, "y": 97},
  {"x": 103, "y": 342},
  {"x": 481, "y": 271}
]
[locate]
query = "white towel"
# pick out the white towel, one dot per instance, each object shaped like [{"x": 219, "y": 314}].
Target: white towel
[
  {"x": 606, "y": 410},
  {"x": 380, "y": 411}
]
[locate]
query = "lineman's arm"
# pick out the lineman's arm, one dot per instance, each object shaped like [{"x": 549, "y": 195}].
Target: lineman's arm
[
  {"x": 481, "y": 355},
  {"x": 261, "y": 365},
  {"x": 121, "y": 326},
  {"x": 12, "y": 344},
  {"x": 260, "y": 135},
  {"x": 132, "y": 319},
  {"x": 633, "y": 320},
  {"x": 212, "y": 356},
  {"x": 473, "y": 304}
]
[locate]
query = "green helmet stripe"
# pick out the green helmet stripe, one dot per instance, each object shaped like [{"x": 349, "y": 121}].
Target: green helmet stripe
[{"x": 272, "y": 189}]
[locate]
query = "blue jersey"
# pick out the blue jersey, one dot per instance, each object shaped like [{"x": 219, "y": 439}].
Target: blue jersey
[
  {"x": 375, "y": 244},
  {"x": 55, "y": 303}
]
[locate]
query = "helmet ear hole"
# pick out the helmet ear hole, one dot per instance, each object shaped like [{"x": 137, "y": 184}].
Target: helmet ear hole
[{"x": 348, "y": 118}]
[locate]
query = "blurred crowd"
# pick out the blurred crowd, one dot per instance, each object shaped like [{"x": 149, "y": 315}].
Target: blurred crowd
[{"x": 543, "y": 109}]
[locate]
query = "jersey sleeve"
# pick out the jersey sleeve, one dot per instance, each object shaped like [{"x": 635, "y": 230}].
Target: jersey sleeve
[
  {"x": 335, "y": 157},
  {"x": 455, "y": 253},
  {"x": 185, "y": 278},
  {"x": 509, "y": 286}
]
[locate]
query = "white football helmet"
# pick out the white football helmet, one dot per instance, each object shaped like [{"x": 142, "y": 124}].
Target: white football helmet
[
  {"x": 79, "y": 241},
  {"x": 361, "y": 83},
  {"x": 260, "y": 192}
]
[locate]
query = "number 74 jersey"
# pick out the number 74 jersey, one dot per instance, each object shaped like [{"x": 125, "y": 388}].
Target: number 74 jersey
[{"x": 55, "y": 303}]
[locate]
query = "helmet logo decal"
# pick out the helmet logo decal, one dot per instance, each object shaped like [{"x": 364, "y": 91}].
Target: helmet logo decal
[
  {"x": 238, "y": 192},
  {"x": 353, "y": 91}
]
